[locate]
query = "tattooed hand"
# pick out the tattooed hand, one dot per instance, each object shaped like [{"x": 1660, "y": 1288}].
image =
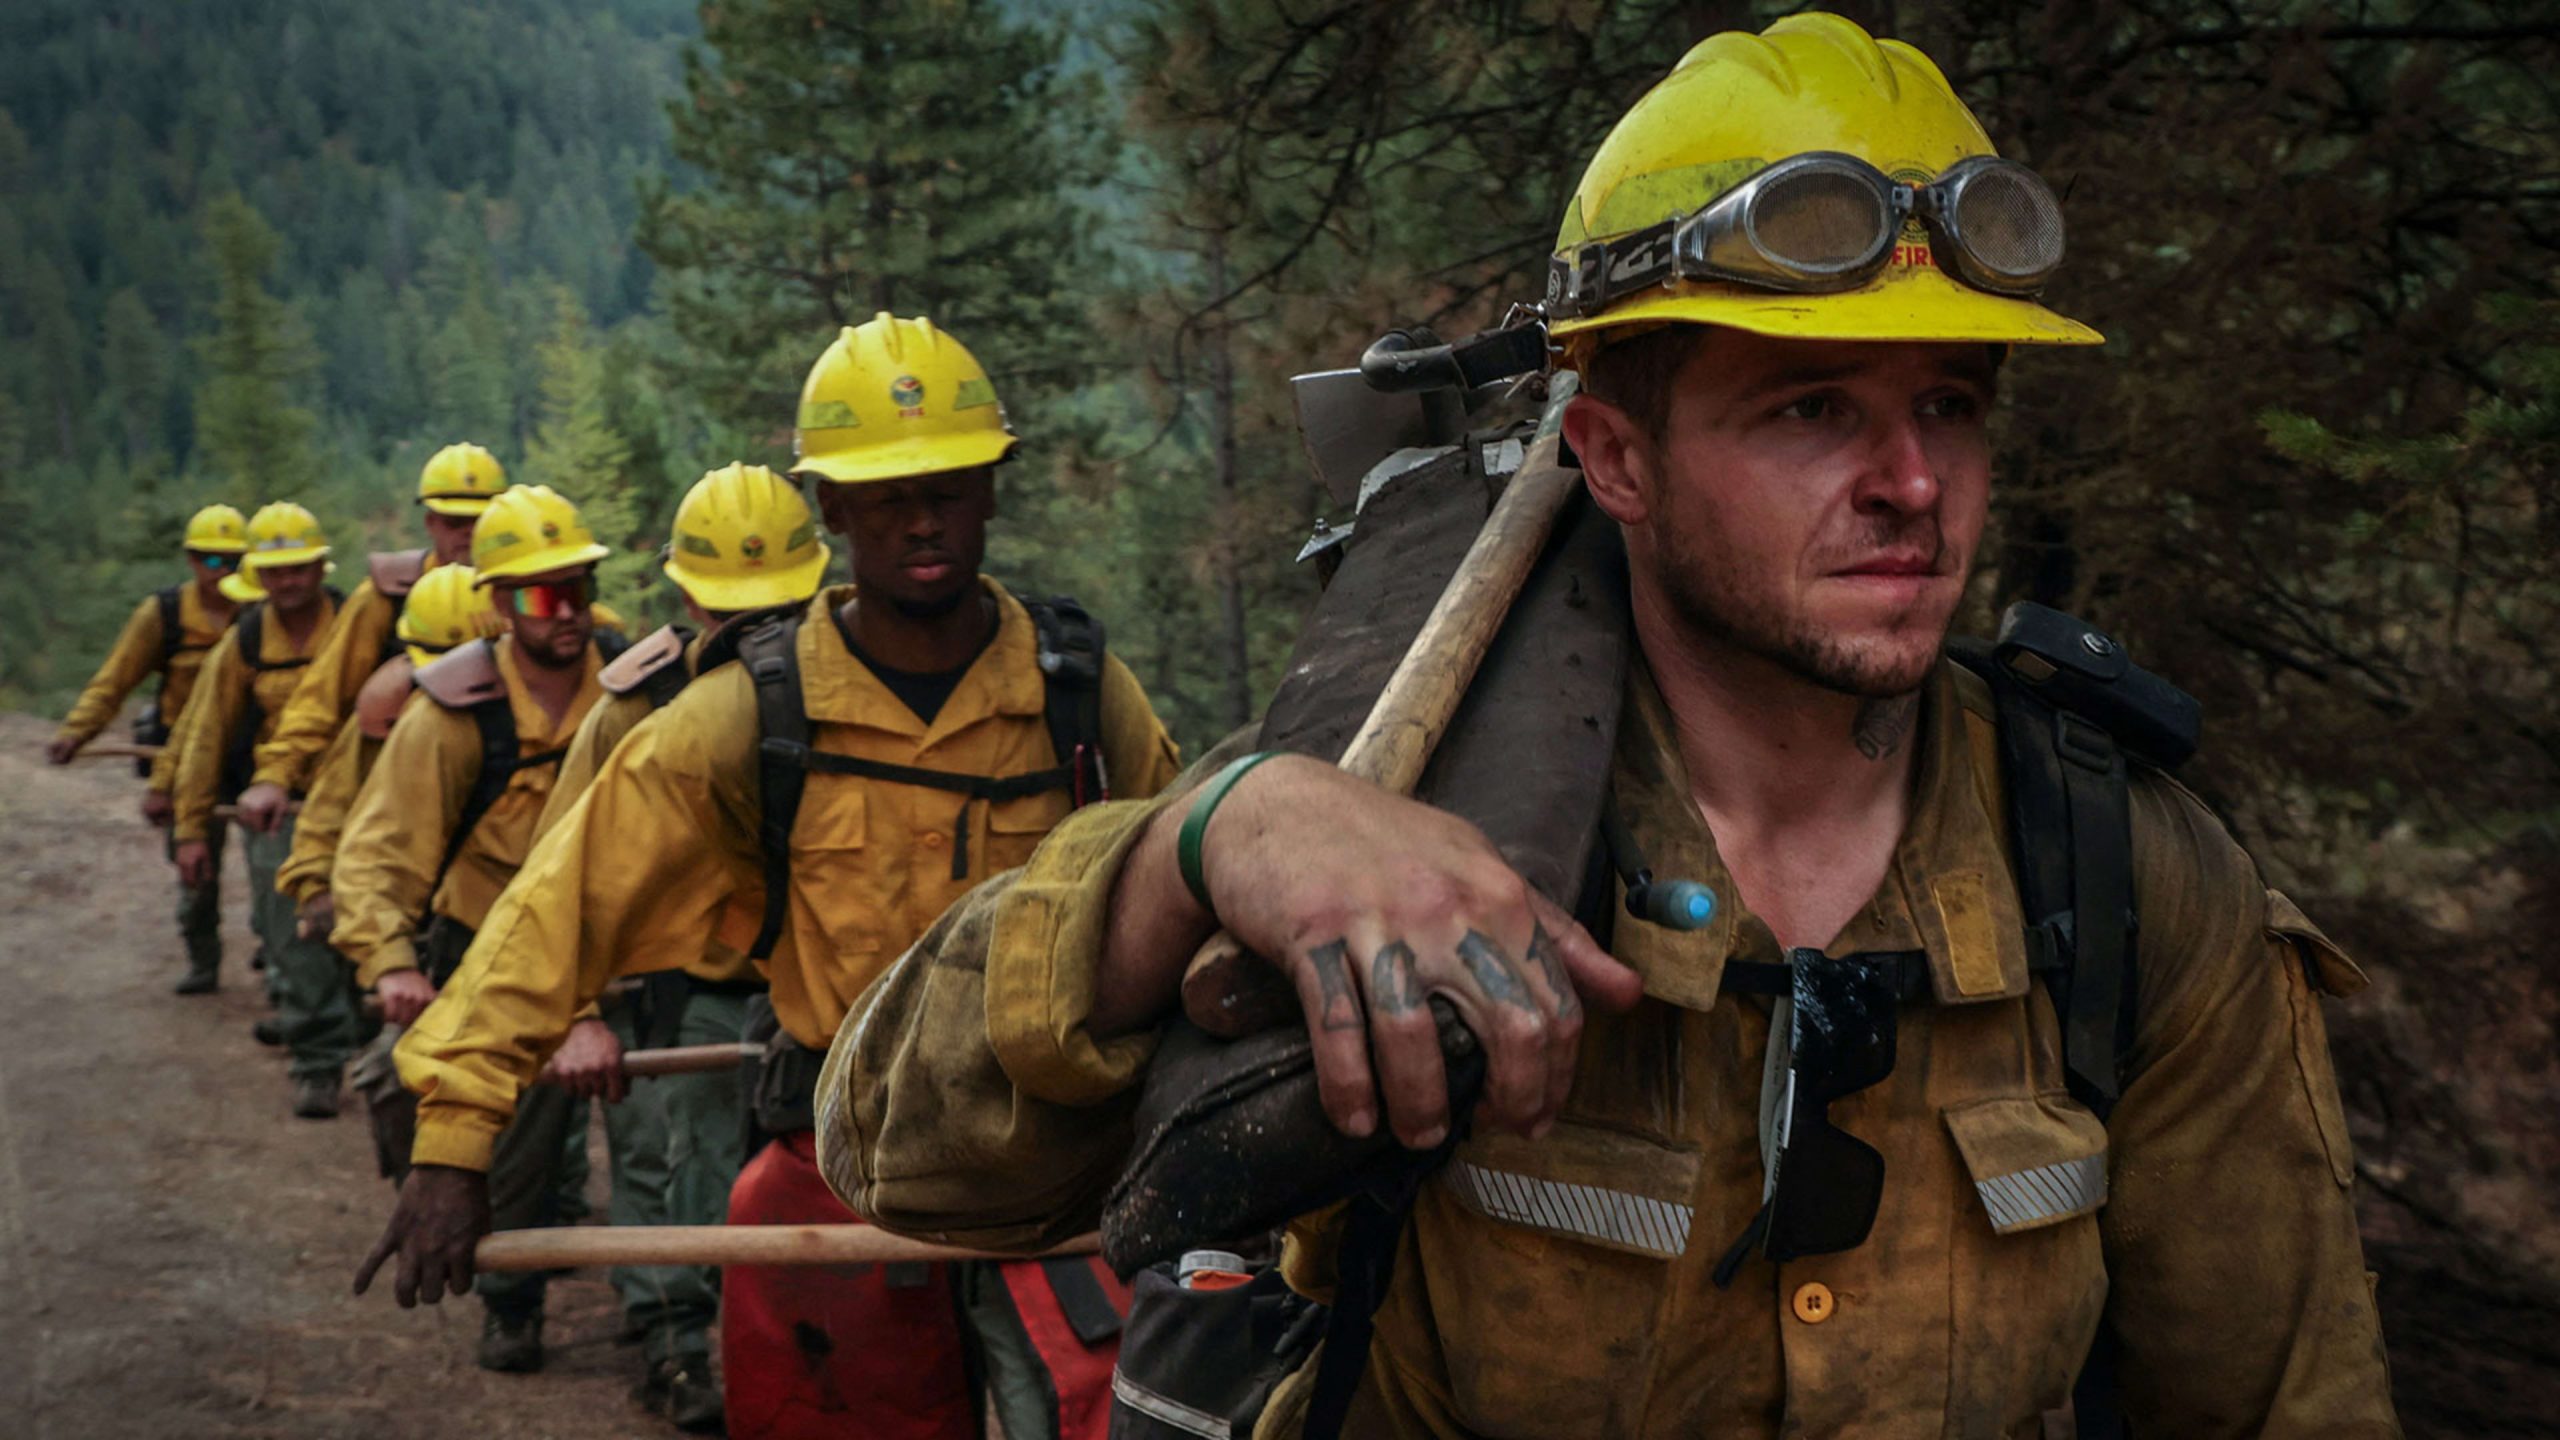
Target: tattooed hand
[{"x": 1372, "y": 904}]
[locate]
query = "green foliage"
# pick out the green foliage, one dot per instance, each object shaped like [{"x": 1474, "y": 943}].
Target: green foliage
[
  {"x": 855, "y": 156},
  {"x": 250, "y": 435},
  {"x": 576, "y": 450}
]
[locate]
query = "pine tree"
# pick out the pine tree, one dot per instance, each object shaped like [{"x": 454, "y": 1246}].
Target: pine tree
[
  {"x": 249, "y": 431},
  {"x": 915, "y": 156},
  {"x": 576, "y": 450}
]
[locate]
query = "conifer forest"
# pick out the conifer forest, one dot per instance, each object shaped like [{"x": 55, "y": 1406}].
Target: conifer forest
[{"x": 285, "y": 249}]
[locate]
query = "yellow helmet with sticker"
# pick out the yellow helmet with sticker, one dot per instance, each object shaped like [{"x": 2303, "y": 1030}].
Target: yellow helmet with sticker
[
  {"x": 745, "y": 540},
  {"x": 531, "y": 530},
  {"x": 283, "y": 533},
  {"x": 461, "y": 480},
  {"x": 893, "y": 398},
  {"x": 1809, "y": 181},
  {"x": 217, "y": 530},
  {"x": 445, "y": 608}
]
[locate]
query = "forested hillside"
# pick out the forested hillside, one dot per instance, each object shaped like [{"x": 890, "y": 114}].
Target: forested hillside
[{"x": 284, "y": 249}]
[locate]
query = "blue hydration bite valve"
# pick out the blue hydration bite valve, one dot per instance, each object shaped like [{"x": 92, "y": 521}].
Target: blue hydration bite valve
[{"x": 1671, "y": 904}]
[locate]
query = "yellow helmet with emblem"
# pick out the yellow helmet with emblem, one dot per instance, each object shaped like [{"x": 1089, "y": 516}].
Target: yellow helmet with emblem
[
  {"x": 1815, "y": 182},
  {"x": 445, "y": 608},
  {"x": 530, "y": 530},
  {"x": 283, "y": 533},
  {"x": 217, "y": 530},
  {"x": 893, "y": 398},
  {"x": 745, "y": 540},
  {"x": 461, "y": 480}
]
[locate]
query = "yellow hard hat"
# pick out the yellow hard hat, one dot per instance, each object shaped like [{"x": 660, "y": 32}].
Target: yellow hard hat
[
  {"x": 744, "y": 539},
  {"x": 461, "y": 480},
  {"x": 283, "y": 533},
  {"x": 1820, "y": 93},
  {"x": 217, "y": 530},
  {"x": 894, "y": 398},
  {"x": 445, "y": 608},
  {"x": 530, "y": 529},
  {"x": 241, "y": 586}
]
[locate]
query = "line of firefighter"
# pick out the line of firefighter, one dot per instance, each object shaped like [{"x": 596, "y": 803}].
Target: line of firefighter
[
  {"x": 409, "y": 784},
  {"x": 813, "y": 789}
]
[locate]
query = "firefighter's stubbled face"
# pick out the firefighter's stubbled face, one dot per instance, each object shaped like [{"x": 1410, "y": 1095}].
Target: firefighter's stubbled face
[{"x": 1815, "y": 504}]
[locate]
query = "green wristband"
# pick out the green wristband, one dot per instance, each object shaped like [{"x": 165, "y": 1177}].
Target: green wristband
[{"x": 1196, "y": 824}]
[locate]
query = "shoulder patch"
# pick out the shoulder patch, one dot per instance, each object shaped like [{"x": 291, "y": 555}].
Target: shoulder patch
[
  {"x": 646, "y": 657},
  {"x": 384, "y": 692},
  {"x": 394, "y": 572},
  {"x": 464, "y": 677}
]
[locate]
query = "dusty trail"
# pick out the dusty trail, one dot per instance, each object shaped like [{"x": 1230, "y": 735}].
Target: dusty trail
[{"x": 175, "y": 1248}]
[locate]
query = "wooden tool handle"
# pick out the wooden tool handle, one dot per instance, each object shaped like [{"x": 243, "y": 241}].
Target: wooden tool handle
[
  {"x": 1226, "y": 990},
  {"x": 583, "y": 1245},
  {"x": 678, "y": 1060},
  {"x": 118, "y": 752},
  {"x": 232, "y": 812}
]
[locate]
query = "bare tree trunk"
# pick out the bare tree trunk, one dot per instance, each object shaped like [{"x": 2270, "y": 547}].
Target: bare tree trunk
[{"x": 1230, "y": 553}]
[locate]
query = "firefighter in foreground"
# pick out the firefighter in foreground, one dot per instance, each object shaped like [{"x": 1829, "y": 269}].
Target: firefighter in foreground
[
  {"x": 169, "y": 635},
  {"x": 745, "y": 549},
  {"x": 245, "y": 681},
  {"x": 1786, "y": 409},
  {"x": 454, "y": 487},
  {"x": 858, "y": 771},
  {"x": 445, "y": 820}
]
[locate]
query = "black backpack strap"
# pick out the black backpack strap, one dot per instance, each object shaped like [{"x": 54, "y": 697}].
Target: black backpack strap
[
  {"x": 771, "y": 654},
  {"x": 173, "y": 634},
  {"x": 501, "y": 757},
  {"x": 1071, "y": 652}
]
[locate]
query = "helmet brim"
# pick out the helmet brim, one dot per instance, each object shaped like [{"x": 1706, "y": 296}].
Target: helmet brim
[
  {"x": 907, "y": 459},
  {"x": 238, "y": 586},
  {"x": 280, "y": 559},
  {"x": 464, "y": 505},
  {"x": 217, "y": 547},
  {"x": 558, "y": 557},
  {"x": 1914, "y": 303},
  {"x": 751, "y": 592}
]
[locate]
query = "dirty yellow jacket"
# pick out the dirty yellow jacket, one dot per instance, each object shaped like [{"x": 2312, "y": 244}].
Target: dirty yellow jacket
[
  {"x": 660, "y": 856},
  {"x": 135, "y": 658},
  {"x": 385, "y": 876},
  {"x": 721, "y": 961},
  {"x": 319, "y": 704},
  {"x": 226, "y": 686},
  {"x": 335, "y": 783},
  {"x": 1560, "y": 1288}
]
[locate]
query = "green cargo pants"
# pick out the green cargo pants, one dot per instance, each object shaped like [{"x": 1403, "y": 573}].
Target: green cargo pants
[
  {"x": 676, "y": 1149},
  {"x": 313, "y": 988},
  {"x": 200, "y": 906}
]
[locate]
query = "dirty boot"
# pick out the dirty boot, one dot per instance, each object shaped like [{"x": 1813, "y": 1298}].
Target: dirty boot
[
  {"x": 268, "y": 1032},
  {"x": 199, "y": 980},
  {"x": 315, "y": 1097},
  {"x": 511, "y": 1344},
  {"x": 678, "y": 1389}
]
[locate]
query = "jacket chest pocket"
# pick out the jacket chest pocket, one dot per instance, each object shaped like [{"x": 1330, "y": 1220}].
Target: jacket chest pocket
[
  {"x": 2028, "y": 1278},
  {"x": 1015, "y": 828},
  {"x": 833, "y": 872},
  {"x": 1547, "y": 1263}
]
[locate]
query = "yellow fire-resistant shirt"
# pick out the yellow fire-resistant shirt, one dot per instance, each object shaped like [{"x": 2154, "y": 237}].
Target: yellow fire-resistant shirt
[
  {"x": 335, "y": 783},
  {"x": 225, "y": 688},
  {"x": 661, "y": 854},
  {"x": 406, "y": 813},
  {"x": 327, "y": 692},
  {"x": 136, "y": 658},
  {"x": 1560, "y": 1288}
]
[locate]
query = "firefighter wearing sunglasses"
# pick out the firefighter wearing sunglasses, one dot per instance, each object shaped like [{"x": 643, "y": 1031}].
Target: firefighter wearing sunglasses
[
  {"x": 906, "y": 740},
  {"x": 169, "y": 634},
  {"x": 246, "y": 679},
  {"x": 454, "y": 487},
  {"x": 1821, "y": 1165},
  {"x": 446, "y": 817}
]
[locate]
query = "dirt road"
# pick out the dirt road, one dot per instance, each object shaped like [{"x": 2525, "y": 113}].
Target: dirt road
[{"x": 175, "y": 1248}]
